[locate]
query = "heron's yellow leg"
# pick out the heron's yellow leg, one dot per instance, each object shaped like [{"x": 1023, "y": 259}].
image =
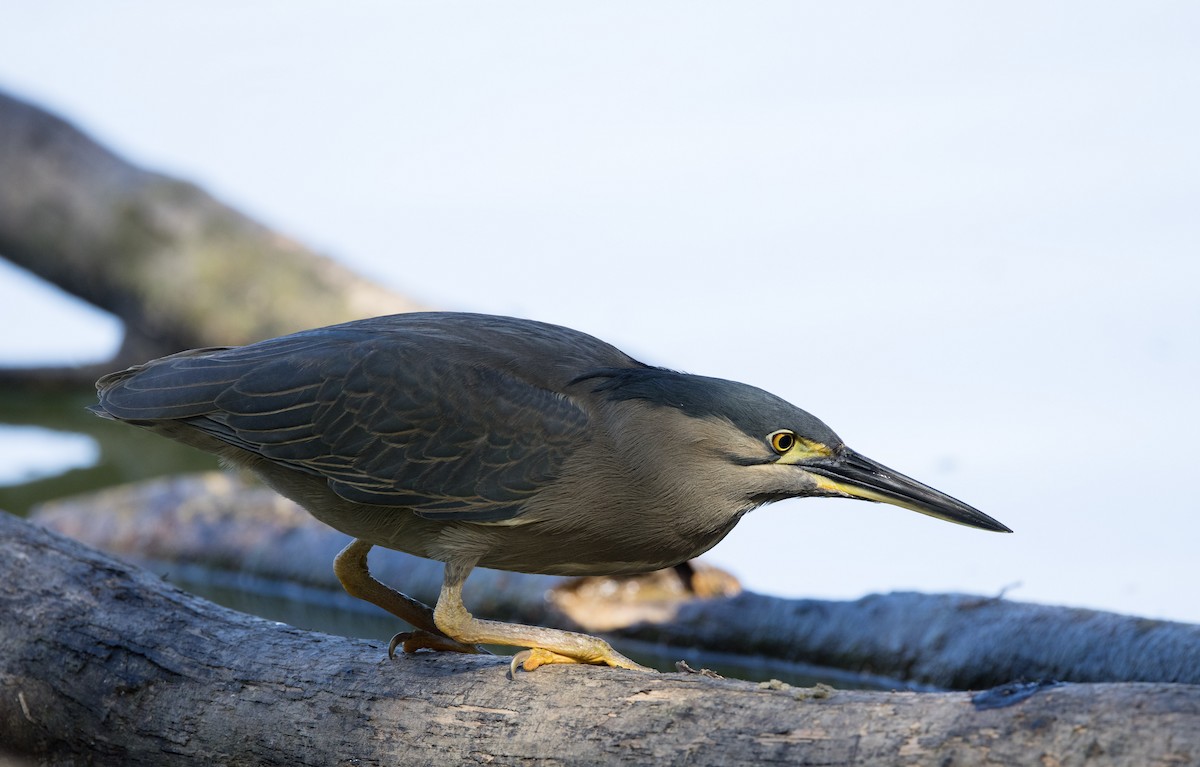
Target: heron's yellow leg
[
  {"x": 350, "y": 567},
  {"x": 545, "y": 645}
]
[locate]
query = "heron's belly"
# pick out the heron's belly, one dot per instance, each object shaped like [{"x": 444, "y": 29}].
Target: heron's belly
[
  {"x": 523, "y": 548},
  {"x": 602, "y": 545},
  {"x": 542, "y": 549}
]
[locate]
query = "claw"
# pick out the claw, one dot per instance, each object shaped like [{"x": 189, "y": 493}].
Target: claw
[{"x": 534, "y": 657}]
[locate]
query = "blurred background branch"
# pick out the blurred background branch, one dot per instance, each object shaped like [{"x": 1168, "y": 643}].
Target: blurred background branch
[
  {"x": 213, "y": 531},
  {"x": 177, "y": 266}
]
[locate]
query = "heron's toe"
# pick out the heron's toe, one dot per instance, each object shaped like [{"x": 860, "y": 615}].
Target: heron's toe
[
  {"x": 411, "y": 641},
  {"x": 538, "y": 656}
]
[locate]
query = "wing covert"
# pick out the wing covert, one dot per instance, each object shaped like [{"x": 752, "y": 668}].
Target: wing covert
[{"x": 384, "y": 421}]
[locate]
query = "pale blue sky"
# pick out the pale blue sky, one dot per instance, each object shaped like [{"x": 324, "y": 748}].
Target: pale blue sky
[{"x": 964, "y": 235}]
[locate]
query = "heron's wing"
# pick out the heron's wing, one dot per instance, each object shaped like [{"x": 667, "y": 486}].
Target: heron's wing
[{"x": 386, "y": 422}]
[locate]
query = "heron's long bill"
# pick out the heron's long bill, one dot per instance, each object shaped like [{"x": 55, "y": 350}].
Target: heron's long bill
[{"x": 857, "y": 476}]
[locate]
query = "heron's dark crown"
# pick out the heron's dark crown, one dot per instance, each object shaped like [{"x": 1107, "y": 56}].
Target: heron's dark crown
[{"x": 755, "y": 412}]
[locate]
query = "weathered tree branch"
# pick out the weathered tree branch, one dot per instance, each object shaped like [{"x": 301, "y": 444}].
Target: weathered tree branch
[
  {"x": 103, "y": 663},
  {"x": 178, "y": 267},
  {"x": 945, "y": 641}
]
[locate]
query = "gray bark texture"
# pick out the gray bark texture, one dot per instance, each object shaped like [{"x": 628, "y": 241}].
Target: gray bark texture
[
  {"x": 178, "y": 267},
  {"x": 947, "y": 641},
  {"x": 104, "y": 663}
]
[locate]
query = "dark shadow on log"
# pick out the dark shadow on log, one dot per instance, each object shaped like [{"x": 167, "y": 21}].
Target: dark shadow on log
[
  {"x": 177, "y": 266},
  {"x": 944, "y": 641},
  {"x": 104, "y": 663}
]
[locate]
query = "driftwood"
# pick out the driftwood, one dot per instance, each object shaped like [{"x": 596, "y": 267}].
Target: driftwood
[
  {"x": 104, "y": 663},
  {"x": 177, "y": 266},
  {"x": 943, "y": 641}
]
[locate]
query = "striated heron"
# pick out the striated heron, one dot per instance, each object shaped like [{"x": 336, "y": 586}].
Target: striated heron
[{"x": 498, "y": 442}]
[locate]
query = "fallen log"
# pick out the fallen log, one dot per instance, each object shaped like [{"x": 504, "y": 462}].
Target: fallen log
[
  {"x": 104, "y": 663},
  {"x": 946, "y": 641},
  {"x": 177, "y": 266}
]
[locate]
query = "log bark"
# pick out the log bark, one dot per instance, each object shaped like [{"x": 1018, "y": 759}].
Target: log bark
[
  {"x": 945, "y": 641},
  {"x": 178, "y": 267},
  {"x": 104, "y": 663}
]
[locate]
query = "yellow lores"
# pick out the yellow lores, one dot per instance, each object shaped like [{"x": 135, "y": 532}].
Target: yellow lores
[{"x": 794, "y": 449}]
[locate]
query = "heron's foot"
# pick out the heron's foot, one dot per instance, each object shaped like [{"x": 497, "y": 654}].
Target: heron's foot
[
  {"x": 411, "y": 641},
  {"x": 547, "y": 645},
  {"x": 538, "y": 656}
]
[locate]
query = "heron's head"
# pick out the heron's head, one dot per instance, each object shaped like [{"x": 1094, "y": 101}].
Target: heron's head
[{"x": 762, "y": 448}]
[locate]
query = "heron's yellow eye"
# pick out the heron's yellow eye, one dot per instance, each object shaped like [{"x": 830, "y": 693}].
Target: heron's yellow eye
[{"x": 782, "y": 441}]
